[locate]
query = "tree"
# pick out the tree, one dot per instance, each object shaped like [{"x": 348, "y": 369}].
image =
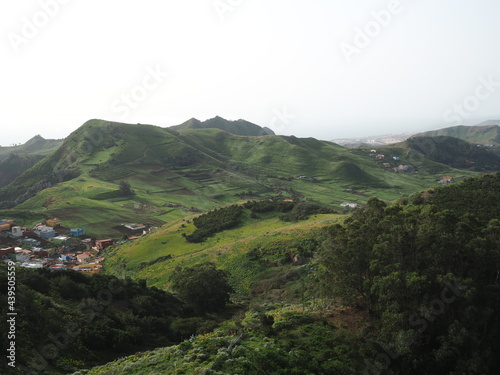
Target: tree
[
  {"x": 125, "y": 188},
  {"x": 203, "y": 287}
]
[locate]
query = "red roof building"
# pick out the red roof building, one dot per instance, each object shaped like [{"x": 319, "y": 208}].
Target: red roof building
[{"x": 5, "y": 251}]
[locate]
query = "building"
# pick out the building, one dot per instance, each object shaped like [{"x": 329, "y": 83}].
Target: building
[
  {"x": 6, "y": 225},
  {"x": 44, "y": 231},
  {"x": 135, "y": 226},
  {"x": 31, "y": 242},
  {"x": 53, "y": 222},
  {"x": 446, "y": 180},
  {"x": 102, "y": 244},
  {"x": 21, "y": 256},
  {"x": 58, "y": 268},
  {"x": 6, "y": 251},
  {"x": 33, "y": 264},
  {"x": 66, "y": 257},
  {"x": 404, "y": 168},
  {"x": 77, "y": 232},
  {"x": 41, "y": 253},
  {"x": 84, "y": 257},
  {"x": 28, "y": 232},
  {"x": 17, "y": 232},
  {"x": 349, "y": 205}
]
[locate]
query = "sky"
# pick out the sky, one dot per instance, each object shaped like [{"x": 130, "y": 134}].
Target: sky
[{"x": 326, "y": 69}]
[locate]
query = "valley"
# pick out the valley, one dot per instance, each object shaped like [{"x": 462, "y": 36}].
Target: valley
[{"x": 257, "y": 253}]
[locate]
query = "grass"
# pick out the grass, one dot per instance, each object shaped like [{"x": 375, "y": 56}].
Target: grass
[{"x": 222, "y": 249}]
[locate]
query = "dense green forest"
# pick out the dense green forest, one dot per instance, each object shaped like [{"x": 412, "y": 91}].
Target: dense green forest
[
  {"x": 66, "y": 320},
  {"x": 428, "y": 274}
]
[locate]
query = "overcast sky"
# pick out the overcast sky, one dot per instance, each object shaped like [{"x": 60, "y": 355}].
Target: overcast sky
[{"x": 320, "y": 68}]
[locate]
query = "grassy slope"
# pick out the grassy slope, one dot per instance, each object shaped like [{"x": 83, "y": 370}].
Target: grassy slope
[{"x": 228, "y": 249}]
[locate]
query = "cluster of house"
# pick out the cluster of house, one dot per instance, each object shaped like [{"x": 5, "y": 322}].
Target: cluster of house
[
  {"x": 401, "y": 168},
  {"x": 42, "y": 246}
]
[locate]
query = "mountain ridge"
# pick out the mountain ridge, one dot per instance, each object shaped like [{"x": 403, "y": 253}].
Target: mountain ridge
[
  {"x": 174, "y": 173},
  {"x": 238, "y": 127},
  {"x": 485, "y": 133}
]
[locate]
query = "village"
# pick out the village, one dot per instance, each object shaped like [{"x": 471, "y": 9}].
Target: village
[{"x": 56, "y": 247}]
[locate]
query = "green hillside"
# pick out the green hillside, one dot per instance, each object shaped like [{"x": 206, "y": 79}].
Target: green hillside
[
  {"x": 15, "y": 160},
  {"x": 481, "y": 134},
  {"x": 15, "y": 165},
  {"x": 155, "y": 256},
  {"x": 409, "y": 287},
  {"x": 176, "y": 173}
]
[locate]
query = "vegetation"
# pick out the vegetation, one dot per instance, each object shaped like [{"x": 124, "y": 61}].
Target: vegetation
[
  {"x": 125, "y": 189},
  {"x": 429, "y": 278},
  {"x": 203, "y": 287},
  {"x": 215, "y": 221},
  {"x": 14, "y": 165},
  {"x": 67, "y": 320},
  {"x": 35, "y": 146},
  {"x": 408, "y": 287},
  {"x": 481, "y": 134},
  {"x": 455, "y": 153}
]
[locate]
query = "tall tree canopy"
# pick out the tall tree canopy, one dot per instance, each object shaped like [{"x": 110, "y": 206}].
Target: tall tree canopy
[{"x": 203, "y": 287}]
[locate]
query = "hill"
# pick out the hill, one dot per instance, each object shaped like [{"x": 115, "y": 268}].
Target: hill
[
  {"x": 484, "y": 134},
  {"x": 15, "y": 160},
  {"x": 455, "y": 153},
  {"x": 15, "y": 165},
  {"x": 35, "y": 146},
  {"x": 434, "y": 155},
  {"x": 173, "y": 173},
  {"x": 239, "y": 127},
  {"x": 155, "y": 256},
  {"x": 409, "y": 287}
]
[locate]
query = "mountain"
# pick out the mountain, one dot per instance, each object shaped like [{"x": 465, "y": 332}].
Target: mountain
[
  {"x": 176, "y": 172},
  {"x": 487, "y": 133},
  {"x": 15, "y": 160},
  {"x": 490, "y": 122},
  {"x": 239, "y": 127},
  {"x": 35, "y": 146}
]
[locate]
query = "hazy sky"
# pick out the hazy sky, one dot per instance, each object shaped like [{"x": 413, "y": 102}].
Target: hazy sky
[{"x": 321, "y": 68}]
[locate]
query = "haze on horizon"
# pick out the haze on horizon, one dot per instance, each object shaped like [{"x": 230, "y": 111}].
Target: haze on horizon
[{"x": 325, "y": 69}]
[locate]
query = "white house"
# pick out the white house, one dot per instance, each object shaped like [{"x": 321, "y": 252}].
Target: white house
[
  {"x": 44, "y": 231},
  {"x": 349, "y": 205},
  {"x": 17, "y": 231}
]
